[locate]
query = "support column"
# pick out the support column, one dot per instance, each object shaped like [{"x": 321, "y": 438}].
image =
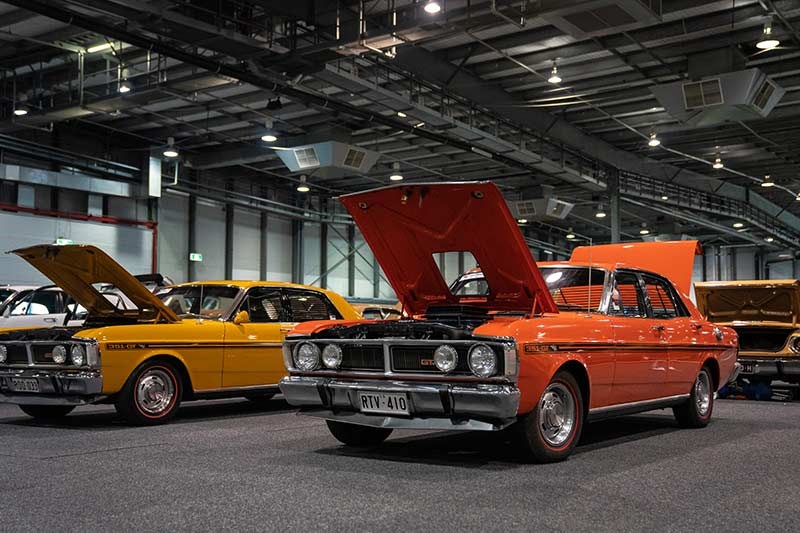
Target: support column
[
  {"x": 323, "y": 255},
  {"x": 613, "y": 194},
  {"x": 191, "y": 271},
  {"x": 351, "y": 260},
  {"x": 229, "y": 227},
  {"x": 262, "y": 265},
  {"x": 297, "y": 251}
]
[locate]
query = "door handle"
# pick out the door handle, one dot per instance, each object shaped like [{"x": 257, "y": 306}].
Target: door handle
[{"x": 52, "y": 320}]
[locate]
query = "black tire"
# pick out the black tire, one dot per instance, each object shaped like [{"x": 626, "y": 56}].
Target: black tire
[
  {"x": 261, "y": 398},
  {"x": 557, "y": 441},
  {"x": 696, "y": 411},
  {"x": 355, "y": 435},
  {"x": 47, "y": 412},
  {"x": 152, "y": 394}
]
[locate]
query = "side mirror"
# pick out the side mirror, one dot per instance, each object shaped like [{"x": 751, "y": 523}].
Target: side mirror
[{"x": 242, "y": 317}]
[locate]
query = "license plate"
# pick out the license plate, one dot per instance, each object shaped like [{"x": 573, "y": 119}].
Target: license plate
[
  {"x": 383, "y": 402},
  {"x": 748, "y": 368},
  {"x": 23, "y": 385}
]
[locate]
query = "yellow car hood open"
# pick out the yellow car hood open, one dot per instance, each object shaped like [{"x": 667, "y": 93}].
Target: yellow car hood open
[{"x": 79, "y": 268}]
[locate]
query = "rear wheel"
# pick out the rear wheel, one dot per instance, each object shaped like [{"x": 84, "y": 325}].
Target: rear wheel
[
  {"x": 355, "y": 435},
  {"x": 45, "y": 412},
  {"x": 550, "y": 432},
  {"x": 151, "y": 395},
  {"x": 696, "y": 411}
]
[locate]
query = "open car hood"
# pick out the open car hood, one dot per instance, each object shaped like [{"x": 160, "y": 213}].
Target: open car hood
[
  {"x": 405, "y": 225},
  {"x": 775, "y": 301},
  {"x": 671, "y": 259},
  {"x": 77, "y": 268}
]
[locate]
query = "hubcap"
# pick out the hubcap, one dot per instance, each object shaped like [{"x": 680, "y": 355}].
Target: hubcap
[
  {"x": 702, "y": 394},
  {"x": 155, "y": 391},
  {"x": 556, "y": 414}
]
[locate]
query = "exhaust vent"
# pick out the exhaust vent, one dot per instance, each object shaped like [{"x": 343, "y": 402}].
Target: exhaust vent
[
  {"x": 329, "y": 159},
  {"x": 732, "y": 96},
  {"x": 595, "y": 18}
]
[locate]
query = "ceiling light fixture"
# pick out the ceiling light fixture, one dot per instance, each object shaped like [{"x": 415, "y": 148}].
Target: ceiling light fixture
[
  {"x": 644, "y": 230},
  {"x": 767, "y": 181},
  {"x": 275, "y": 104},
  {"x": 98, "y": 48},
  {"x": 738, "y": 225},
  {"x": 798, "y": 197},
  {"x": 768, "y": 41},
  {"x": 303, "y": 186},
  {"x": 664, "y": 197},
  {"x": 570, "y": 235},
  {"x": 170, "y": 150},
  {"x": 554, "y": 77},
  {"x": 20, "y": 111},
  {"x": 522, "y": 221},
  {"x": 269, "y": 138},
  {"x": 769, "y": 239},
  {"x": 654, "y": 141},
  {"x": 124, "y": 87},
  {"x": 717, "y": 163},
  {"x": 600, "y": 212},
  {"x": 401, "y": 114},
  {"x": 432, "y": 7},
  {"x": 396, "y": 176}
]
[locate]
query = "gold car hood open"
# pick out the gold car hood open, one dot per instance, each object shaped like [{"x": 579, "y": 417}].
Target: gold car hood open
[
  {"x": 78, "y": 268},
  {"x": 774, "y": 301}
]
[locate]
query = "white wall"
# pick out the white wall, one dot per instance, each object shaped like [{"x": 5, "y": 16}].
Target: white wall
[
  {"x": 173, "y": 237},
  {"x": 210, "y": 239},
  {"x": 246, "y": 244},
  {"x": 130, "y": 246}
]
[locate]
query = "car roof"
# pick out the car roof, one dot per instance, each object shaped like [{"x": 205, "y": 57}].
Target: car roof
[{"x": 246, "y": 284}]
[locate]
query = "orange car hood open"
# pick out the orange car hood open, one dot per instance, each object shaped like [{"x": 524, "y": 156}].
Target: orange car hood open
[
  {"x": 406, "y": 225},
  {"x": 672, "y": 259},
  {"x": 77, "y": 268}
]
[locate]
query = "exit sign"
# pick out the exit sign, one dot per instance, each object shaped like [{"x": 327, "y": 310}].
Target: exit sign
[
  {"x": 63, "y": 242},
  {"x": 197, "y": 257}
]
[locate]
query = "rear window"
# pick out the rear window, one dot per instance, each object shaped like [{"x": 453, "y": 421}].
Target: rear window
[{"x": 306, "y": 305}]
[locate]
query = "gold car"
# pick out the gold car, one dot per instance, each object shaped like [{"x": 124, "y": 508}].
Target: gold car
[{"x": 146, "y": 353}]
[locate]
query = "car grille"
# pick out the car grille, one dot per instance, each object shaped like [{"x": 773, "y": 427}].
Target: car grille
[
  {"x": 762, "y": 339},
  {"x": 362, "y": 357},
  {"x": 420, "y": 359},
  {"x": 17, "y": 354},
  {"x": 43, "y": 353}
]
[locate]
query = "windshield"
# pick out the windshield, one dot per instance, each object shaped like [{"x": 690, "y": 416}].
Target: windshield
[
  {"x": 569, "y": 286},
  {"x": 201, "y": 301}
]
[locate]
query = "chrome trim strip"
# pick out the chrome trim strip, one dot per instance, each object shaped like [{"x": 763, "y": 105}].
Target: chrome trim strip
[
  {"x": 234, "y": 390},
  {"x": 643, "y": 405}
]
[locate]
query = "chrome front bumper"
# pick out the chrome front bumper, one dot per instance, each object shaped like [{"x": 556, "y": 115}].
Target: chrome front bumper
[
  {"x": 787, "y": 369},
  {"x": 56, "y": 387},
  {"x": 462, "y": 406}
]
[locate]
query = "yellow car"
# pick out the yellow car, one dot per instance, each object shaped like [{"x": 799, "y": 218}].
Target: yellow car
[{"x": 147, "y": 353}]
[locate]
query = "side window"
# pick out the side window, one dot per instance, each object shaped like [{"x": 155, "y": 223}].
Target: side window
[
  {"x": 661, "y": 298},
  {"x": 308, "y": 305},
  {"x": 627, "y": 298},
  {"x": 265, "y": 305},
  {"x": 40, "y": 303}
]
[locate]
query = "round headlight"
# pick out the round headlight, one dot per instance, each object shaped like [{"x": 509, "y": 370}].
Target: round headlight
[
  {"x": 306, "y": 356},
  {"x": 445, "y": 358},
  {"x": 332, "y": 356},
  {"x": 482, "y": 361},
  {"x": 77, "y": 355},
  {"x": 59, "y": 355},
  {"x": 3, "y": 354}
]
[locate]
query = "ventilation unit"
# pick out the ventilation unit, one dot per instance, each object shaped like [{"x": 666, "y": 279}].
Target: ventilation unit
[
  {"x": 329, "y": 159},
  {"x": 732, "y": 96},
  {"x": 544, "y": 207},
  {"x": 587, "y": 19}
]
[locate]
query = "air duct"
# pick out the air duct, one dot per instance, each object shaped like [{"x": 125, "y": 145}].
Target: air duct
[
  {"x": 543, "y": 206},
  {"x": 329, "y": 159}
]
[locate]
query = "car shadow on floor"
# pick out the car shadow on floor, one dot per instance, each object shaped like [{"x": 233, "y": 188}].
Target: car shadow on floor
[
  {"x": 104, "y": 418},
  {"x": 498, "y": 450}
]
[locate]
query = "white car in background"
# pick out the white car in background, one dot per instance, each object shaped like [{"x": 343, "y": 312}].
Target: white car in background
[{"x": 38, "y": 307}]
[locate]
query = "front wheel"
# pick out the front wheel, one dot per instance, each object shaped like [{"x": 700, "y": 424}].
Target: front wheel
[
  {"x": 151, "y": 395},
  {"x": 355, "y": 435},
  {"x": 551, "y": 431},
  {"x": 696, "y": 411},
  {"x": 47, "y": 412}
]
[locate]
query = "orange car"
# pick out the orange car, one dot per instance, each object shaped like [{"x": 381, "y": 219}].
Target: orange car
[{"x": 545, "y": 348}]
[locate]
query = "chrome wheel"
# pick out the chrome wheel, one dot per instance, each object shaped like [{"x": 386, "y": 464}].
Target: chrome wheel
[
  {"x": 155, "y": 392},
  {"x": 556, "y": 414},
  {"x": 702, "y": 393}
]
